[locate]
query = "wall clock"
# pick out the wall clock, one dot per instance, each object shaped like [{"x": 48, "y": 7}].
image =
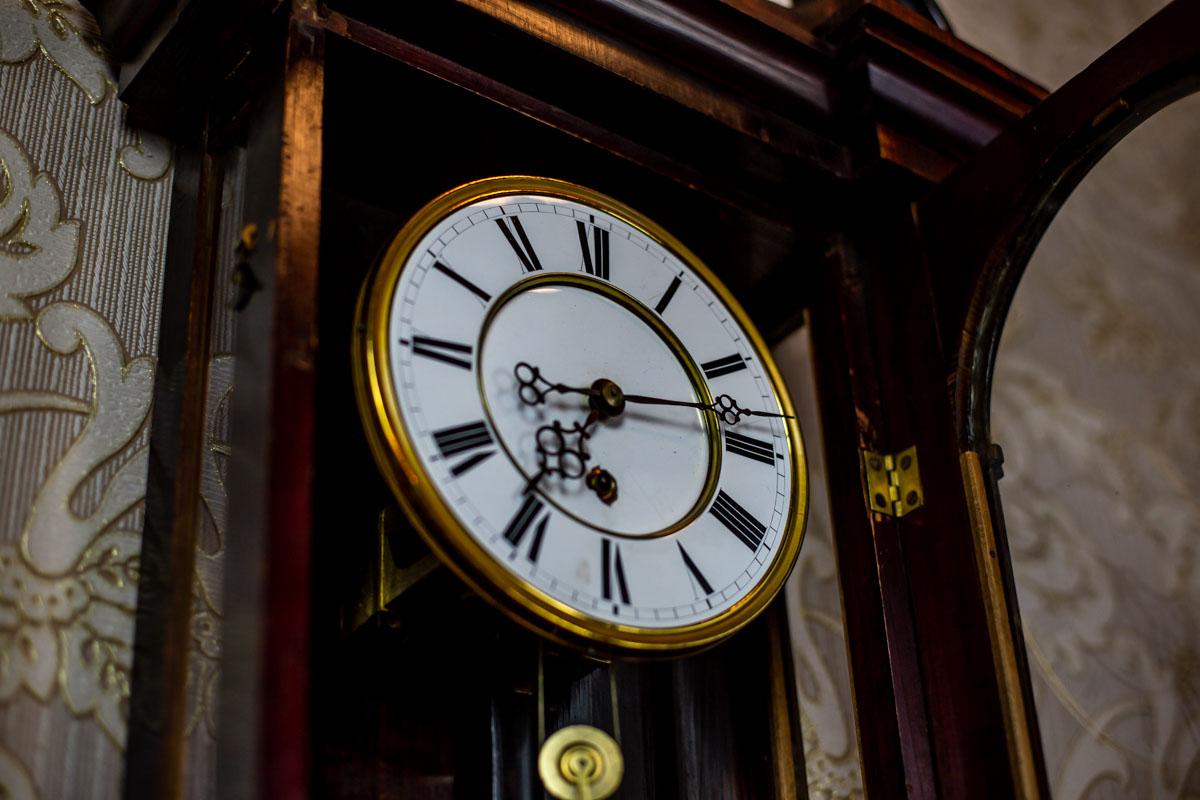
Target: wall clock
[{"x": 579, "y": 418}]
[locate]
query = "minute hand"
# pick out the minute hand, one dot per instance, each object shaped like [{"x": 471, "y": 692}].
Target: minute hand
[
  {"x": 608, "y": 400},
  {"x": 723, "y": 406}
]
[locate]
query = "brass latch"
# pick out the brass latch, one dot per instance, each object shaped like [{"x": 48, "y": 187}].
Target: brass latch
[{"x": 893, "y": 482}]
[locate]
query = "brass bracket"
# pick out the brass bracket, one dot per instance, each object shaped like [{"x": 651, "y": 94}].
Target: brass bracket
[
  {"x": 388, "y": 579},
  {"x": 893, "y": 482}
]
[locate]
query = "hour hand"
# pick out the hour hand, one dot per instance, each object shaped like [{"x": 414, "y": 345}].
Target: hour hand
[
  {"x": 724, "y": 406},
  {"x": 532, "y": 388}
]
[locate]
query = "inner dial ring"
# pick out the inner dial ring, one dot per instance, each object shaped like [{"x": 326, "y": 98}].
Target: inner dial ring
[
  {"x": 419, "y": 345},
  {"x": 516, "y": 425}
]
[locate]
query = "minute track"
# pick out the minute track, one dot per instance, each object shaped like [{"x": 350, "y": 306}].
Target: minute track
[{"x": 469, "y": 301}]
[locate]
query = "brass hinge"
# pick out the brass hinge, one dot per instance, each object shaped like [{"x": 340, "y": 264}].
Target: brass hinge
[{"x": 893, "y": 482}]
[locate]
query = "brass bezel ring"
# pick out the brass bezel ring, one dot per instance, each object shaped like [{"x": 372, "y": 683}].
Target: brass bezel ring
[{"x": 431, "y": 514}]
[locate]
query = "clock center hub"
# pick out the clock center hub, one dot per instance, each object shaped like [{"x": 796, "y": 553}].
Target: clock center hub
[
  {"x": 608, "y": 400},
  {"x": 585, "y": 333}
]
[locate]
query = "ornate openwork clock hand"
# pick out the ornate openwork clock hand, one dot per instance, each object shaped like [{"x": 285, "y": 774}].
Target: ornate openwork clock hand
[
  {"x": 556, "y": 455},
  {"x": 608, "y": 399},
  {"x": 570, "y": 461}
]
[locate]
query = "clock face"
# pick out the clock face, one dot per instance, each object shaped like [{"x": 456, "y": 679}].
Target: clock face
[{"x": 579, "y": 418}]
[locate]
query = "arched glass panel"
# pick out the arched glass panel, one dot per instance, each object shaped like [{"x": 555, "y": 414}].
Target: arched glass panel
[{"x": 1096, "y": 402}]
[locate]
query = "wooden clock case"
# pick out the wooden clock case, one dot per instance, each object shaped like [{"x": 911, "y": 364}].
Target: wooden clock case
[{"x": 877, "y": 180}]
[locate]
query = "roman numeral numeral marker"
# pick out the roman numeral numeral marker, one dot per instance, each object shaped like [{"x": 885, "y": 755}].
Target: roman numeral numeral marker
[
  {"x": 722, "y": 366},
  {"x": 610, "y": 555},
  {"x": 595, "y": 259},
  {"x": 461, "y": 281},
  {"x": 705, "y": 586},
  {"x": 749, "y": 447},
  {"x": 523, "y": 249},
  {"x": 442, "y": 350},
  {"x": 738, "y": 520},
  {"x": 522, "y": 521},
  {"x": 670, "y": 293},
  {"x": 462, "y": 439}
]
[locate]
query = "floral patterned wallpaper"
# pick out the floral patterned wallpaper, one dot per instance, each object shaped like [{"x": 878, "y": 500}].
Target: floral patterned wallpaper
[
  {"x": 1097, "y": 405},
  {"x": 83, "y": 214}
]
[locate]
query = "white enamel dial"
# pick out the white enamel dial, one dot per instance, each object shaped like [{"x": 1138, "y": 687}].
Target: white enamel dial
[{"x": 489, "y": 324}]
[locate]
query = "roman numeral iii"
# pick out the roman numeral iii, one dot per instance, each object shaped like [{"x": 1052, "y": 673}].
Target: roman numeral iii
[
  {"x": 738, "y": 520},
  {"x": 462, "y": 439},
  {"x": 750, "y": 447},
  {"x": 722, "y": 366},
  {"x": 523, "y": 249},
  {"x": 595, "y": 257}
]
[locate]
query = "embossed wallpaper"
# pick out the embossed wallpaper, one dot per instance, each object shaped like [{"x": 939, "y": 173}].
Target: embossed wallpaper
[
  {"x": 814, "y": 606},
  {"x": 1097, "y": 406},
  {"x": 83, "y": 214}
]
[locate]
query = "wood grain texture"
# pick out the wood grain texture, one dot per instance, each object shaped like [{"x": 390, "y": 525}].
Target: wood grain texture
[
  {"x": 268, "y": 581},
  {"x": 892, "y": 725},
  {"x": 287, "y": 616}
]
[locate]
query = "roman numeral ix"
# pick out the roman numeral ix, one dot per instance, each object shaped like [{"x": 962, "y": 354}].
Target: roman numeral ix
[
  {"x": 722, "y": 366},
  {"x": 462, "y": 439},
  {"x": 595, "y": 259},
  {"x": 610, "y": 555},
  {"x": 750, "y": 447},
  {"x": 523, "y": 521},
  {"x": 738, "y": 520},
  {"x": 447, "y": 352},
  {"x": 523, "y": 248}
]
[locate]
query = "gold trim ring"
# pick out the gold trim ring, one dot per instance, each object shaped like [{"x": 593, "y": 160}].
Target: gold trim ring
[{"x": 430, "y": 513}]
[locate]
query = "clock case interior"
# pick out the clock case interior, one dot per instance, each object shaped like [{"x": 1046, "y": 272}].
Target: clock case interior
[{"x": 440, "y": 680}]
